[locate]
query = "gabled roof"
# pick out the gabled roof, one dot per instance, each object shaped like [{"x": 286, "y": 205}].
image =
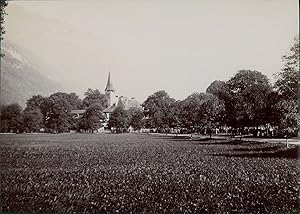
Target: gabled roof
[
  {"x": 109, "y": 86},
  {"x": 125, "y": 103},
  {"x": 128, "y": 103}
]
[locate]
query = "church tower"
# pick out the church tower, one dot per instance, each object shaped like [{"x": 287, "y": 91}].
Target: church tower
[{"x": 110, "y": 92}]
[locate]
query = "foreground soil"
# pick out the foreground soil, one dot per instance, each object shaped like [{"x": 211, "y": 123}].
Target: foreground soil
[{"x": 101, "y": 173}]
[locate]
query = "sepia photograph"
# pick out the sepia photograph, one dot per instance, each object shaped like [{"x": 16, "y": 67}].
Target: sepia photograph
[{"x": 149, "y": 106}]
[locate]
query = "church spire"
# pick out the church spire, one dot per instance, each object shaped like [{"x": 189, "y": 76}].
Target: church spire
[{"x": 109, "y": 86}]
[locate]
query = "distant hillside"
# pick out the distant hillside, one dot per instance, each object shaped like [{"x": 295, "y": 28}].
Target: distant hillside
[{"x": 19, "y": 78}]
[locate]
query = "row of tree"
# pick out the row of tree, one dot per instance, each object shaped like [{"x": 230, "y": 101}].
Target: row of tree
[
  {"x": 54, "y": 113},
  {"x": 246, "y": 100}
]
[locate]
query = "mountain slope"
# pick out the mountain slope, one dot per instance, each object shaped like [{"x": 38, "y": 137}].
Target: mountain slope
[{"x": 19, "y": 78}]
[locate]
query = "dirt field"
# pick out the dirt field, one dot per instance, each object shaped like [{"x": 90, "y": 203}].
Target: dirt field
[{"x": 92, "y": 173}]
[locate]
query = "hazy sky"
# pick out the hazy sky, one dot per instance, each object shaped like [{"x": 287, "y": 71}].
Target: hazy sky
[{"x": 148, "y": 45}]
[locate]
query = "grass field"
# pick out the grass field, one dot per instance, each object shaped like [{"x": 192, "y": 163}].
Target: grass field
[{"x": 92, "y": 173}]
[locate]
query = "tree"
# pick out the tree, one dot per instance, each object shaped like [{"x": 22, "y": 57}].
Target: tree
[
  {"x": 172, "y": 115},
  {"x": 287, "y": 85},
  {"x": 158, "y": 120},
  {"x": 119, "y": 119},
  {"x": 158, "y": 108},
  {"x": 33, "y": 120},
  {"x": 32, "y": 114},
  {"x": 94, "y": 96},
  {"x": 218, "y": 88},
  {"x": 57, "y": 112},
  {"x": 289, "y": 118},
  {"x": 3, "y": 4},
  {"x": 248, "y": 92},
  {"x": 11, "y": 118},
  {"x": 201, "y": 111},
  {"x": 287, "y": 82},
  {"x": 92, "y": 118},
  {"x": 74, "y": 101},
  {"x": 156, "y": 101},
  {"x": 273, "y": 111},
  {"x": 34, "y": 102},
  {"x": 221, "y": 90},
  {"x": 136, "y": 117}
]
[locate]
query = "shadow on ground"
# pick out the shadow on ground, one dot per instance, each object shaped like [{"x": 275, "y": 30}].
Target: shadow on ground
[
  {"x": 208, "y": 141},
  {"x": 188, "y": 138},
  {"x": 268, "y": 152},
  {"x": 244, "y": 148}
]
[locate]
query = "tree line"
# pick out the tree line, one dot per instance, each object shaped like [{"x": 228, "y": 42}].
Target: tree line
[
  {"x": 54, "y": 113},
  {"x": 242, "y": 104},
  {"x": 247, "y": 100}
]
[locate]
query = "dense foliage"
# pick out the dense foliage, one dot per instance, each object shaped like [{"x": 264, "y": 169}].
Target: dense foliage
[
  {"x": 54, "y": 113},
  {"x": 249, "y": 91},
  {"x": 201, "y": 111},
  {"x": 11, "y": 118},
  {"x": 94, "y": 96},
  {"x": 92, "y": 118},
  {"x": 3, "y": 4},
  {"x": 119, "y": 119},
  {"x": 287, "y": 80},
  {"x": 33, "y": 120},
  {"x": 136, "y": 118}
]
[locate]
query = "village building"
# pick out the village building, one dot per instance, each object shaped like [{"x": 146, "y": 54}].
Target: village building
[{"x": 113, "y": 101}]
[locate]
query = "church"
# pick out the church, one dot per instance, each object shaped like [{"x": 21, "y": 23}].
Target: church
[{"x": 113, "y": 101}]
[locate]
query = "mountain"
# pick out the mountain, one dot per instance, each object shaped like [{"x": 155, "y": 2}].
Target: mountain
[{"x": 20, "y": 79}]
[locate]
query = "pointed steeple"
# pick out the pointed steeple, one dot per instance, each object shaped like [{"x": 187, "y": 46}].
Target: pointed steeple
[{"x": 109, "y": 86}]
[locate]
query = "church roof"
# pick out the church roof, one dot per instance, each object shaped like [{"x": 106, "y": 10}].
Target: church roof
[
  {"x": 125, "y": 103},
  {"x": 109, "y": 86}
]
